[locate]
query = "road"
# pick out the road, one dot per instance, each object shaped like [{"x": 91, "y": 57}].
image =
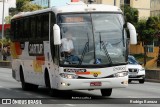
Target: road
[{"x": 9, "y": 88}]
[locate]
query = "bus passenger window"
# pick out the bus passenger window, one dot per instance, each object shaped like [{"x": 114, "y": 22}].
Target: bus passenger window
[
  {"x": 26, "y": 28},
  {"x": 13, "y": 29},
  {"x": 16, "y": 30},
  {"x": 45, "y": 27},
  {"x": 39, "y": 26},
  {"x": 21, "y": 29},
  {"x": 33, "y": 27}
]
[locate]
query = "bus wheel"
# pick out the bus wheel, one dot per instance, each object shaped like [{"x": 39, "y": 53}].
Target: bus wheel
[
  {"x": 26, "y": 86},
  {"x": 106, "y": 92},
  {"x": 52, "y": 92}
]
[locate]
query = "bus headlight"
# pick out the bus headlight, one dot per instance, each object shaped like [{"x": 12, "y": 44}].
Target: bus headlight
[
  {"x": 68, "y": 76},
  {"x": 121, "y": 74}
]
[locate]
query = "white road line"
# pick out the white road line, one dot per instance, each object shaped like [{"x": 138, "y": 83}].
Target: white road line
[
  {"x": 71, "y": 105},
  {"x": 8, "y": 88}
]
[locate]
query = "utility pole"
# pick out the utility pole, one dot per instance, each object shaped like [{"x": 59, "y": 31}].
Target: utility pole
[
  {"x": 48, "y": 3},
  {"x": 2, "y": 29},
  {"x": 114, "y": 2}
]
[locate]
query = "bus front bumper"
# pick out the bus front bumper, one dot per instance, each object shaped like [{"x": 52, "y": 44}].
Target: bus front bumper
[{"x": 80, "y": 84}]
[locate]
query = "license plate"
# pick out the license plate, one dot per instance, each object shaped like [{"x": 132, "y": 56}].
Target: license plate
[
  {"x": 95, "y": 84},
  {"x": 132, "y": 73}
]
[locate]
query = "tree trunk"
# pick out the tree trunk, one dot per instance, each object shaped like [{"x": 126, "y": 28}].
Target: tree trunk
[{"x": 145, "y": 54}]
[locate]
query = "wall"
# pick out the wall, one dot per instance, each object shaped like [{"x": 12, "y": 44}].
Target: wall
[
  {"x": 138, "y": 49},
  {"x": 153, "y": 74},
  {"x": 111, "y": 2},
  {"x": 143, "y": 7},
  {"x": 6, "y": 10},
  {"x": 155, "y": 7}
]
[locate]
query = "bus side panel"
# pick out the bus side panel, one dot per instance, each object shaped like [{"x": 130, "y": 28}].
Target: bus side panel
[{"x": 16, "y": 69}]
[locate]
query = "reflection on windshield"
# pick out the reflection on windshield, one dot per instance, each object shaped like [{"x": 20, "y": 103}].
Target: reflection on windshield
[
  {"x": 86, "y": 42},
  {"x": 132, "y": 60}
]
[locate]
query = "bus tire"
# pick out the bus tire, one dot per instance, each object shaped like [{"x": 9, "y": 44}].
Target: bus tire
[
  {"x": 52, "y": 92},
  {"x": 26, "y": 86},
  {"x": 106, "y": 92}
]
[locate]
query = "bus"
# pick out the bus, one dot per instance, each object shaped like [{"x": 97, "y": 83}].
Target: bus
[{"x": 99, "y": 58}]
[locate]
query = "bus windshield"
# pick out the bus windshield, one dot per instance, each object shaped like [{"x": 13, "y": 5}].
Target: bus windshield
[{"x": 94, "y": 39}]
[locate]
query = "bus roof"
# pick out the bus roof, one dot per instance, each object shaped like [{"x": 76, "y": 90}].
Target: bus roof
[{"x": 73, "y": 8}]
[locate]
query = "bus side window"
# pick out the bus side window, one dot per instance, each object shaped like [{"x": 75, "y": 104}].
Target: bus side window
[
  {"x": 26, "y": 28},
  {"x": 39, "y": 26},
  {"x": 21, "y": 27},
  {"x": 33, "y": 28},
  {"x": 45, "y": 26},
  {"x": 12, "y": 36},
  {"x": 16, "y": 30}
]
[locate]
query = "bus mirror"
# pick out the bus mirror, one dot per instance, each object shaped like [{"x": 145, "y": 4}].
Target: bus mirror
[
  {"x": 56, "y": 35},
  {"x": 133, "y": 34}
]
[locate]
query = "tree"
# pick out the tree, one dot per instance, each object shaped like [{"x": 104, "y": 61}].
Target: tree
[
  {"x": 131, "y": 14},
  {"x": 155, "y": 23},
  {"x": 145, "y": 32},
  {"x": 8, "y": 19},
  {"x": 28, "y": 6},
  {"x": 13, "y": 11},
  {"x": 19, "y": 4}
]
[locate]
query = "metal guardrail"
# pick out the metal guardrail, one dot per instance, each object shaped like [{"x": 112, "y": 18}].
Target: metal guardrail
[{"x": 153, "y": 75}]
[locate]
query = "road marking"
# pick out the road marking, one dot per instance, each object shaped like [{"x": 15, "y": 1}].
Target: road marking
[
  {"x": 70, "y": 105},
  {"x": 8, "y": 88}
]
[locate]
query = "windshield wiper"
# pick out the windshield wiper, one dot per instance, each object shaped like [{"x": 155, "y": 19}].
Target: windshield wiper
[
  {"x": 104, "y": 48},
  {"x": 84, "y": 52},
  {"x": 86, "y": 48}
]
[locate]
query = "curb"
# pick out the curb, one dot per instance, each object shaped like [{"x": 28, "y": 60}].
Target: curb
[{"x": 152, "y": 80}]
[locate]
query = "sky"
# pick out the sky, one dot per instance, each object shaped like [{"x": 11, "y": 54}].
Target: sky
[{"x": 59, "y": 2}]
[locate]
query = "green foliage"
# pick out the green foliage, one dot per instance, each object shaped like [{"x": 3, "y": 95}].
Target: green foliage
[
  {"x": 5, "y": 41},
  {"x": 19, "y": 4},
  {"x": 131, "y": 14},
  {"x": 13, "y": 11},
  {"x": 141, "y": 25},
  {"x": 8, "y": 19},
  {"x": 28, "y": 6},
  {"x": 146, "y": 29}
]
